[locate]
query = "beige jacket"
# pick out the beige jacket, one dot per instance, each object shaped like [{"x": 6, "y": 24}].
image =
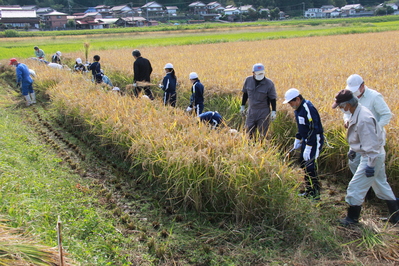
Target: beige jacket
[{"x": 365, "y": 135}]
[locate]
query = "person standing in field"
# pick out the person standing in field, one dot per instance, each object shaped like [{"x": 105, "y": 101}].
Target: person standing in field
[
  {"x": 56, "y": 58},
  {"x": 197, "y": 94},
  {"x": 309, "y": 139},
  {"x": 142, "y": 70},
  {"x": 168, "y": 85},
  {"x": 364, "y": 136},
  {"x": 374, "y": 102},
  {"x": 261, "y": 93},
  {"x": 95, "y": 68},
  {"x": 39, "y": 53},
  {"x": 24, "y": 81}
]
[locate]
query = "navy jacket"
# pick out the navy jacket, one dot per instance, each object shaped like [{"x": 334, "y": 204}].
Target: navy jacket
[
  {"x": 309, "y": 123},
  {"x": 169, "y": 83},
  {"x": 142, "y": 69},
  {"x": 197, "y": 96}
]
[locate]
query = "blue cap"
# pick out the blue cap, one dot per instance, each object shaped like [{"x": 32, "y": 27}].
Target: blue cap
[{"x": 258, "y": 67}]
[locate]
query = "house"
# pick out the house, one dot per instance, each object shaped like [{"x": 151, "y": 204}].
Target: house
[
  {"x": 214, "y": 7},
  {"x": 246, "y": 8},
  {"x": 88, "y": 20},
  {"x": 171, "y": 9},
  {"x": 197, "y": 8},
  {"x": 19, "y": 18},
  {"x": 394, "y": 6},
  {"x": 55, "y": 20},
  {"x": 351, "y": 10},
  {"x": 152, "y": 9},
  {"x": 11, "y": 7},
  {"x": 104, "y": 10},
  {"x": 131, "y": 22},
  {"x": 332, "y": 13},
  {"x": 32, "y": 7},
  {"x": 121, "y": 11},
  {"x": 231, "y": 10},
  {"x": 314, "y": 13},
  {"x": 43, "y": 10}
]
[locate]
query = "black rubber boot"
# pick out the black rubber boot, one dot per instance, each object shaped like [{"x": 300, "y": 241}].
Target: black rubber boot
[
  {"x": 393, "y": 211},
  {"x": 352, "y": 217}
]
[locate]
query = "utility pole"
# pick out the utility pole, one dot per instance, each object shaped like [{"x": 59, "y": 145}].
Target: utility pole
[
  {"x": 240, "y": 11},
  {"x": 303, "y": 9}
]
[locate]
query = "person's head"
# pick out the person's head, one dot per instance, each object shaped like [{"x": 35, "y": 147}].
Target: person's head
[
  {"x": 78, "y": 61},
  {"x": 13, "y": 62},
  {"x": 136, "y": 53},
  {"x": 355, "y": 84},
  {"x": 259, "y": 71},
  {"x": 96, "y": 58},
  {"x": 346, "y": 101},
  {"x": 36, "y": 48},
  {"x": 58, "y": 53},
  {"x": 168, "y": 67},
  {"x": 193, "y": 77},
  {"x": 293, "y": 97}
]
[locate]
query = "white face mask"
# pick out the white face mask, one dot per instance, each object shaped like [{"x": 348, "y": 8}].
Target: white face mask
[
  {"x": 345, "y": 112},
  {"x": 357, "y": 93},
  {"x": 259, "y": 76}
]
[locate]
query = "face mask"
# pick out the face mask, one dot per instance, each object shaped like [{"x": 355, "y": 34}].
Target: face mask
[
  {"x": 357, "y": 93},
  {"x": 345, "y": 112},
  {"x": 260, "y": 76}
]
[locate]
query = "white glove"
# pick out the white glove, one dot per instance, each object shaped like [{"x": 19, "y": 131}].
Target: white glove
[
  {"x": 273, "y": 115},
  {"x": 242, "y": 110},
  {"x": 297, "y": 143},
  {"x": 189, "y": 109},
  {"x": 306, "y": 153},
  {"x": 160, "y": 86},
  {"x": 134, "y": 85}
]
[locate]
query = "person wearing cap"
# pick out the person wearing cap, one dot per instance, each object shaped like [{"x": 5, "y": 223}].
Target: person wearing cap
[
  {"x": 309, "y": 139},
  {"x": 168, "y": 85},
  {"x": 24, "y": 81},
  {"x": 95, "y": 68},
  {"x": 364, "y": 136},
  {"x": 214, "y": 119},
  {"x": 261, "y": 93},
  {"x": 56, "y": 58},
  {"x": 142, "y": 70},
  {"x": 197, "y": 94},
  {"x": 374, "y": 101},
  {"x": 39, "y": 53},
  {"x": 79, "y": 66}
]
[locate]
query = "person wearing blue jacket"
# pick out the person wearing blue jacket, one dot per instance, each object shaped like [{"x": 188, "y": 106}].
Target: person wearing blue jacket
[
  {"x": 169, "y": 86},
  {"x": 309, "y": 139},
  {"x": 197, "y": 96},
  {"x": 24, "y": 81},
  {"x": 213, "y": 118}
]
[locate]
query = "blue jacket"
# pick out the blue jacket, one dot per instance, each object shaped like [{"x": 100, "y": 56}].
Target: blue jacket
[
  {"x": 169, "y": 83},
  {"x": 309, "y": 123},
  {"x": 197, "y": 96},
  {"x": 23, "y": 75},
  {"x": 213, "y": 118}
]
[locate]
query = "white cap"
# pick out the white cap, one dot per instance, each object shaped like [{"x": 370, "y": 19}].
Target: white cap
[
  {"x": 291, "y": 94},
  {"x": 115, "y": 89},
  {"x": 168, "y": 65},
  {"x": 58, "y": 53},
  {"x": 78, "y": 60},
  {"x": 193, "y": 75},
  {"x": 353, "y": 82}
]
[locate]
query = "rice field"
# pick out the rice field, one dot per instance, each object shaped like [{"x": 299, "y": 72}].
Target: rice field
[{"x": 210, "y": 169}]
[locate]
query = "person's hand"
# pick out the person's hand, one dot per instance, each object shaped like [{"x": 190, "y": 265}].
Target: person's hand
[
  {"x": 18, "y": 84},
  {"x": 160, "y": 86},
  {"x": 369, "y": 171},
  {"x": 306, "y": 153},
  {"x": 135, "y": 85},
  {"x": 346, "y": 124},
  {"x": 242, "y": 110},
  {"x": 189, "y": 109},
  {"x": 273, "y": 115},
  {"x": 297, "y": 143},
  {"x": 351, "y": 155}
]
